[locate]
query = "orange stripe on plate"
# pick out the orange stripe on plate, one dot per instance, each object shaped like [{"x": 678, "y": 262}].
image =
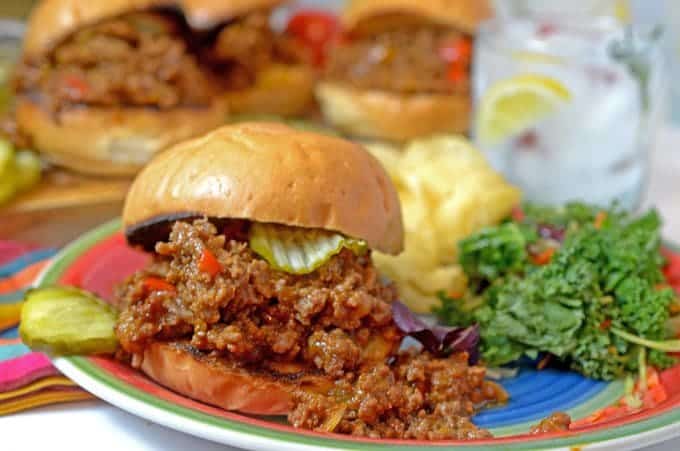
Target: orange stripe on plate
[
  {"x": 42, "y": 399},
  {"x": 23, "y": 278},
  {"x": 9, "y": 314},
  {"x": 10, "y": 341},
  {"x": 41, "y": 384}
]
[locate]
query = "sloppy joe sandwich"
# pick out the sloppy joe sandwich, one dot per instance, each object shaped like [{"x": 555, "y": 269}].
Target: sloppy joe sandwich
[
  {"x": 402, "y": 69},
  {"x": 104, "y": 85},
  {"x": 262, "y": 296}
]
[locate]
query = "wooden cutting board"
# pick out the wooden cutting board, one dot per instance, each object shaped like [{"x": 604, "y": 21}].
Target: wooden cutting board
[{"x": 62, "y": 207}]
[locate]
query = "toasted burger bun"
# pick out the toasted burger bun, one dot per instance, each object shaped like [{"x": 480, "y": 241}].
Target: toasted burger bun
[
  {"x": 464, "y": 15},
  {"x": 282, "y": 90},
  {"x": 391, "y": 116},
  {"x": 269, "y": 172},
  {"x": 111, "y": 141},
  {"x": 53, "y": 20},
  {"x": 180, "y": 368}
]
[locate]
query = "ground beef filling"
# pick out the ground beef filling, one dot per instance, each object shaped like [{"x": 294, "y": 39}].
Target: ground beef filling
[
  {"x": 414, "y": 397},
  {"x": 153, "y": 59},
  {"x": 331, "y": 319},
  {"x": 406, "y": 61},
  {"x": 336, "y": 322},
  {"x": 248, "y": 46},
  {"x": 556, "y": 422},
  {"x": 140, "y": 59}
]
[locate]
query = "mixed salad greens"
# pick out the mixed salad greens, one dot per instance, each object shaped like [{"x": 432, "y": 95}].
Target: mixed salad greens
[{"x": 578, "y": 283}]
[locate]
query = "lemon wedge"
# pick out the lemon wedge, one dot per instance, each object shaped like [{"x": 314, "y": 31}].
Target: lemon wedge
[
  {"x": 513, "y": 104},
  {"x": 622, "y": 11}
]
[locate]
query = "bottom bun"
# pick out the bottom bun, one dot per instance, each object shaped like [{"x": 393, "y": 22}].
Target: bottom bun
[
  {"x": 111, "y": 141},
  {"x": 280, "y": 90},
  {"x": 389, "y": 116},
  {"x": 185, "y": 370}
]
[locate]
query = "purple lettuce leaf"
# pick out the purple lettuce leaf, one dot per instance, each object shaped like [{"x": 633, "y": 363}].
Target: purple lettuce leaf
[{"x": 438, "y": 340}]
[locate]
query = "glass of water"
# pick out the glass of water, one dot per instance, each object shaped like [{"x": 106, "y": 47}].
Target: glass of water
[
  {"x": 619, "y": 9},
  {"x": 594, "y": 145}
]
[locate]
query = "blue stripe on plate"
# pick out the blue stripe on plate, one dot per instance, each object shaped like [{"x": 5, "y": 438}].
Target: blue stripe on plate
[
  {"x": 12, "y": 332},
  {"x": 11, "y": 351},
  {"x": 20, "y": 263},
  {"x": 12, "y": 298},
  {"x": 536, "y": 394}
]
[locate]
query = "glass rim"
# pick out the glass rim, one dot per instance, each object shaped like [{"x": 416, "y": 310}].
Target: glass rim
[{"x": 641, "y": 33}]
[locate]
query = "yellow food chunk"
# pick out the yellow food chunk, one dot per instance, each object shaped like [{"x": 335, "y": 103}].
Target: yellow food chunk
[{"x": 447, "y": 191}]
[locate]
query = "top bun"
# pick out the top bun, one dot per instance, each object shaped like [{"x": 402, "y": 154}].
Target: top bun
[
  {"x": 51, "y": 21},
  {"x": 462, "y": 14},
  {"x": 269, "y": 172}
]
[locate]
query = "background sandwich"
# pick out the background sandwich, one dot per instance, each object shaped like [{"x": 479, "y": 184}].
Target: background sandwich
[
  {"x": 103, "y": 85},
  {"x": 402, "y": 69}
]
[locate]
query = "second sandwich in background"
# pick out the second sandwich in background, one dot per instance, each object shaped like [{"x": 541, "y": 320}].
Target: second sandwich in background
[
  {"x": 103, "y": 86},
  {"x": 401, "y": 70}
]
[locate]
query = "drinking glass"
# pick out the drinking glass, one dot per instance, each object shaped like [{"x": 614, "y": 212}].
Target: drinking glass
[
  {"x": 595, "y": 146},
  {"x": 619, "y": 9}
]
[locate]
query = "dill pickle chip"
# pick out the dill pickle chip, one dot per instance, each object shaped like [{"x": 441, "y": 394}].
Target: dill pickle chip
[
  {"x": 6, "y": 158},
  {"x": 297, "y": 250},
  {"x": 28, "y": 168},
  {"x": 67, "y": 321},
  {"x": 8, "y": 187}
]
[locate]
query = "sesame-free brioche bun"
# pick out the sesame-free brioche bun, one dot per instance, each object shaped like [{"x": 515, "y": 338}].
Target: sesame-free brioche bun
[
  {"x": 269, "y": 172},
  {"x": 282, "y": 90},
  {"x": 111, "y": 141},
  {"x": 464, "y": 15},
  {"x": 51, "y": 21},
  {"x": 392, "y": 116},
  {"x": 186, "y": 371}
]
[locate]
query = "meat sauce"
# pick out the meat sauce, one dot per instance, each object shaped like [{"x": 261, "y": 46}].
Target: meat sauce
[
  {"x": 336, "y": 322},
  {"x": 154, "y": 59},
  {"x": 406, "y": 60},
  {"x": 556, "y": 422}
]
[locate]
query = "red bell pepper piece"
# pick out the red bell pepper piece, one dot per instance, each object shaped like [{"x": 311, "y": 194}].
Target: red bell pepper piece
[
  {"x": 315, "y": 30},
  {"x": 158, "y": 284},
  {"x": 209, "y": 263}
]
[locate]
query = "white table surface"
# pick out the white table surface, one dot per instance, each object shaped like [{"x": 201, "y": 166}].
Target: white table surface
[{"x": 96, "y": 425}]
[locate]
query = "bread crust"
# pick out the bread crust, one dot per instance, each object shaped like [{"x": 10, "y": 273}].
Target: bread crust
[
  {"x": 464, "y": 15},
  {"x": 215, "y": 382},
  {"x": 269, "y": 172},
  {"x": 282, "y": 90},
  {"x": 51, "y": 21},
  {"x": 111, "y": 141},
  {"x": 391, "y": 116}
]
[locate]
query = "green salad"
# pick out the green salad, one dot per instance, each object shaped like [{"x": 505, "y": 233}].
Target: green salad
[{"x": 578, "y": 283}]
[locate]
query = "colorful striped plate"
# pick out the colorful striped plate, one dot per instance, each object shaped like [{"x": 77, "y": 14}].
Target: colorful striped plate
[{"x": 100, "y": 259}]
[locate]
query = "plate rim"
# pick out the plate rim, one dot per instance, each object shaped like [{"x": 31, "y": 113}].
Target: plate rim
[{"x": 668, "y": 423}]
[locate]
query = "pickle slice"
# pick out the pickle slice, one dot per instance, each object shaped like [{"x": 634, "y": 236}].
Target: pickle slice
[
  {"x": 8, "y": 185},
  {"x": 67, "y": 321},
  {"x": 297, "y": 250},
  {"x": 28, "y": 168},
  {"x": 6, "y": 156}
]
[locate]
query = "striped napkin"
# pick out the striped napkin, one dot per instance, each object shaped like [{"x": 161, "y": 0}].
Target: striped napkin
[{"x": 27, "y": 379}]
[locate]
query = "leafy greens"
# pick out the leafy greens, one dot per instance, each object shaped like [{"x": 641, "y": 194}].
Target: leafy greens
[{"x": 558, "y": 280}]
